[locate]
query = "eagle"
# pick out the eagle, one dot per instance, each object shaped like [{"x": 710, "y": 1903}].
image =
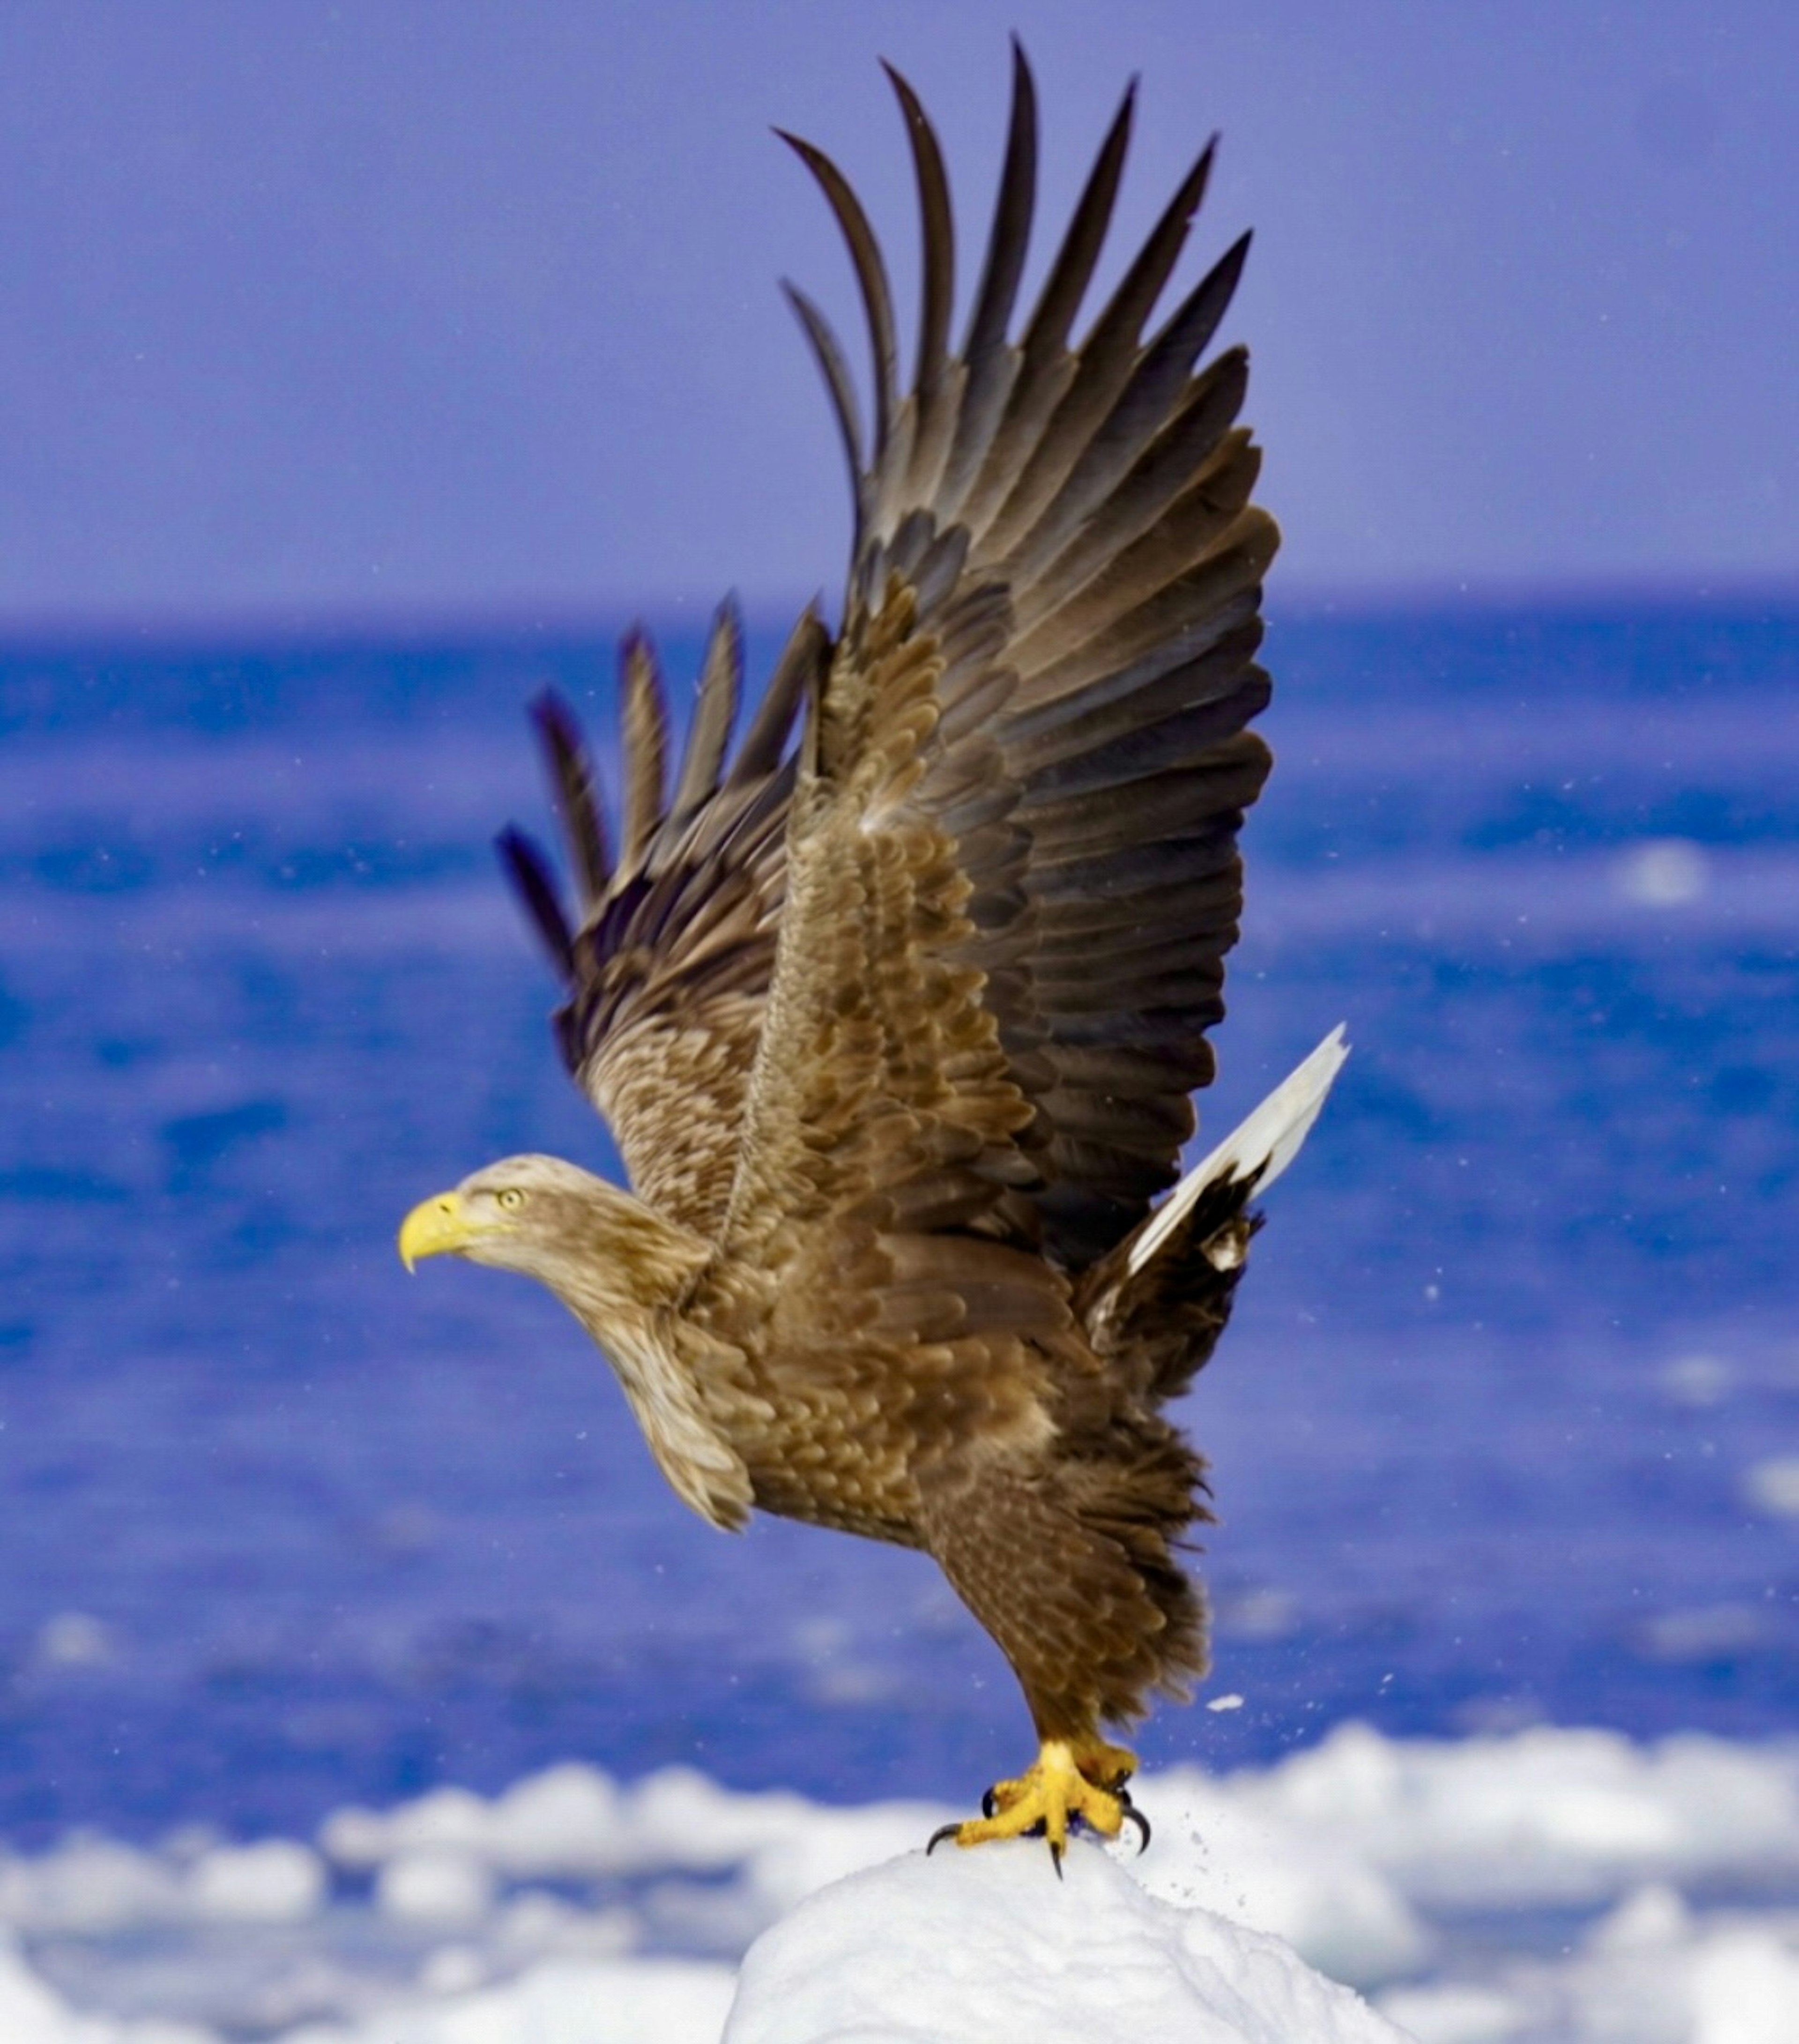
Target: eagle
[{"x": 896, "y": 1003}]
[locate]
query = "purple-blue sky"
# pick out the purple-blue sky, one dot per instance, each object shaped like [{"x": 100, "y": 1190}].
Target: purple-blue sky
[{"x": 468, "y": 307}]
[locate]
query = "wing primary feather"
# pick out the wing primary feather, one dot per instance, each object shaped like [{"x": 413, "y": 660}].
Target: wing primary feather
[
  {"x": 1117, "y": 328},
  {"x": 802, "y": 659},
  {"x": 871, "y": 278},
  {"x": 643, "y": 718},
  {"x": 721, "y": 679},
  {"x": 828, "y": 350},
  {"x": 578, "y": 804},
  {"x": 1196, "y": 319},
  {"x": 1086, "y": 418},
  {"x": 1167, "y": 362},
  {"x": 1043, "y": 366},
  {"x": 990, "y": 360},
  {"x": 1072, "y": 270},
  {"x": 1011, "y": 235},
  {"x": 939, "y": 246},
  {"x": 529, "y": 872}
]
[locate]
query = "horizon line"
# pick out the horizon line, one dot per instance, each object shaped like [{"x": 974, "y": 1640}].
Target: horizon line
[{"x": 116, "y": 628}]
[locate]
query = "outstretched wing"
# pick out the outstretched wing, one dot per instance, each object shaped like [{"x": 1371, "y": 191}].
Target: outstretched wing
[
  {"x": 667, "y": 959},
  {"x": 1015, "y": 874}
]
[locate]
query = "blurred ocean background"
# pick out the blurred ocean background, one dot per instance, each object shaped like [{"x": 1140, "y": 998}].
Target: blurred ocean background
[{"x": 1507, "y": 1429}]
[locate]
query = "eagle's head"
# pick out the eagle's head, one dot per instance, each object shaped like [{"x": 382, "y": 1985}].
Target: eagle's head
[{"x": 601, "y": 1252}]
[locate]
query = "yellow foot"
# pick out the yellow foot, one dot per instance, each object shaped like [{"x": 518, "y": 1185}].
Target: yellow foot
[{"x": 1081, "y": 1779}]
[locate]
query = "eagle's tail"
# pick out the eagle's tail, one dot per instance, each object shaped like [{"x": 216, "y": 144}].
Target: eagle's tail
[{"x": 1156, "y": 1306}]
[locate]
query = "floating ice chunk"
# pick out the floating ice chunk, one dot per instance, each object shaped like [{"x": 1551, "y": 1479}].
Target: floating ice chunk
[
  {"x": 277, "y": 1880},
  {"x": 1649, "y": 1918},
  {"x": 537, "y": 1925},
  {"x": 436, "y": 1886},
  {"x": 452, "y": 1969},
  {"x": 653, "y": 2001},
  {"x": 1772, "y": 1485},
  {"x": 30, "y": 2012},
  {"x": 1696, "y": 1380},
  {"x": 87, "y": 1887},
  {"x": 1745, "y": 1990},
  {"x": 1267, "y": 1613},
  {"x": 1656, "y": 1971},
  {"x": 454, "y": 1819},
  {"x": 73, "y": 1639},
  {"x": 560, "y": 1823},
  {"x": 573, "y": 1821},
  {"x": 989, "y": 1944},
  {"x": 1545, "y": 1815},
  {"x": 1709, "y": 1633},
  {"x": 1662, "y": 872},
  {"x": 678, "y": 1817}
]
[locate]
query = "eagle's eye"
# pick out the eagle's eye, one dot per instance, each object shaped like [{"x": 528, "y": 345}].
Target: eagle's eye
[{"x": 511, "y": 1200}]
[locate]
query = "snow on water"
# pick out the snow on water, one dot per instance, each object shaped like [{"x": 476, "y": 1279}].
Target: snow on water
[{"x": 1550, "y": 1886}]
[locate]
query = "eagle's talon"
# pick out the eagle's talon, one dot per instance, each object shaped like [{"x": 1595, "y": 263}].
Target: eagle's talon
[
  {"x": 1133, "y": 1815},
  {"x": 1071, "y": 1785},
  {"x": 943, "y": 1831}
]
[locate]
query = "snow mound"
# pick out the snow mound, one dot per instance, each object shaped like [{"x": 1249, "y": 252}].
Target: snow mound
[{"x": 965, "y": 1948}]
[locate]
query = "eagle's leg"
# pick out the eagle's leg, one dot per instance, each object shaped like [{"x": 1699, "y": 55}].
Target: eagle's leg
[
  {"x": 1089, "y": 1619},
  {"x": 1082, "y": 1778}
]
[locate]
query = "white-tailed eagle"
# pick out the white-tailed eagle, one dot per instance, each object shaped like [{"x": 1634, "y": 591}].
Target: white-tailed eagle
[{"x": 895, "y": 1004}]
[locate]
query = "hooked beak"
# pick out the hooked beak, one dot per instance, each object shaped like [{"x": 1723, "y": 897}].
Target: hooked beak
[{"x": 434, "y": 1228}]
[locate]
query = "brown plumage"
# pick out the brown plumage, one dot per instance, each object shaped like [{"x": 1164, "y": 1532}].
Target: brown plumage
[{"x": 897, "y": 1024}]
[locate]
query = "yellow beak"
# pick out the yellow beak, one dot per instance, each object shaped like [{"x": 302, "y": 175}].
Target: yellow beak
[{"x": 434, "y": 1227}]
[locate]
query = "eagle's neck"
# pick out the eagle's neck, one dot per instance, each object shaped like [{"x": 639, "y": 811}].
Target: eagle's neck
[
  {"x": 616, "y": 1258},
  {"x": 628, "y": 1287}
]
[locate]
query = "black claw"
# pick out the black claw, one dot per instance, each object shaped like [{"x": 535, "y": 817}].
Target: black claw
[
  {"x": 1133, "y": 1815},
  {"x": 989, "y": 1803},
  {"x": 943, "y": 1831},
  {"x": 1055, "y": 1857}
]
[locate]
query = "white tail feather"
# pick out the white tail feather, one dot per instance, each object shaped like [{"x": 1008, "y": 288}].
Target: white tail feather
[{"x": 1267, "y": 1142}]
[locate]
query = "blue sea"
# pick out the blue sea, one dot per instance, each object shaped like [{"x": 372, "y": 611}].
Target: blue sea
[{"x": 1506, "y": 1428}]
